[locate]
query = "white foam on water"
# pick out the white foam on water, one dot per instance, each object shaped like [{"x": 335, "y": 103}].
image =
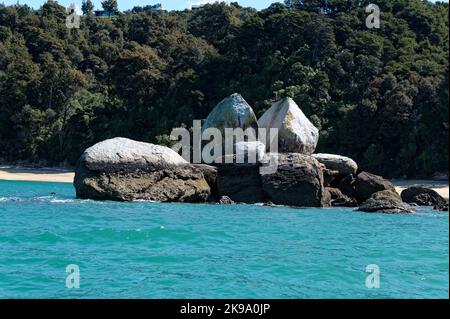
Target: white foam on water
[
  {"x": 10, "y": 199},
  {"x": 271, "y": 205},
  {"x": 145, "y": 201},
  {"x": 39, "y": 199},
  {"x": 59, "y": 201}
]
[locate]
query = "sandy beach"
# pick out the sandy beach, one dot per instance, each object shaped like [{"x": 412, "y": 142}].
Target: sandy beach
[{"x": 15, "y": 173}]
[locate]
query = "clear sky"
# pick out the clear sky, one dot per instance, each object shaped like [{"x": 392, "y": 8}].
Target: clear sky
[{"x": 128, "y": 4}]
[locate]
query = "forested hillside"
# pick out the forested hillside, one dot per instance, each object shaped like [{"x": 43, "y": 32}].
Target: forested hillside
[{"x": 377, "y": 95}]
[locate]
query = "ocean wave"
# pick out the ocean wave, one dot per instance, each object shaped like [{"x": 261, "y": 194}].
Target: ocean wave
[
  {"x": 10, "y": 199},
  {"x": 39, "y": 199},
  {"x": 44, "y": 197},
  {"x": 61, "y": 201},
  {"x": 145, "y": 201},
  {"x": 271, "y": 205}
]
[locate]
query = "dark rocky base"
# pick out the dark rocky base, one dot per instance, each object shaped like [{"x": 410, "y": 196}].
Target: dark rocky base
[
  {"x": 176, "y": 184},
  {"x": 126, "y": 170},
  {"x": 388, "y": 202},
  {"x": 240, "y": 182},
  {"x": 336, "y": 198},
  {"x": 423, "y": 197},
  {"x": 298, "y": 182},
  {"x": 442, "y": 208}
]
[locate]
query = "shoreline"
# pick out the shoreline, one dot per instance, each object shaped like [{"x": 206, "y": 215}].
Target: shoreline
[
  {"x": 28, "y": 174},
  {"x": 59, "y": 175}
]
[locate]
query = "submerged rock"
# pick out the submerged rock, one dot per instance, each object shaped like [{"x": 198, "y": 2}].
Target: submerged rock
[
  {"x": 269, "y": 204},
  {"x": 297, "y": 182},
  {"x": 366, "y": 184},
  {"x": 125, "y": 170},
  {"x": 225, "y": 200},
  {"x": 344, "y": 165},
  {"x": 232, "y": 112},
  {"x": 296, "y": 133},
  {"x": 441, "y": 208},
  {"x": 387, "y": 201},
  {"x": 423, "y": 197}
]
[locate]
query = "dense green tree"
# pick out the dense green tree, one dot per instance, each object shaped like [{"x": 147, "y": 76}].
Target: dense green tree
[
  {"x": 110, "y": 6},
  {"x": 87, "y": 6},
  {"x": 377, "y": 95}
]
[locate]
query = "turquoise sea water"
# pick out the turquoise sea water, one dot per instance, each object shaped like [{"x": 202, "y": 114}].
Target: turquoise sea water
[{"x": 152, "y": 250}]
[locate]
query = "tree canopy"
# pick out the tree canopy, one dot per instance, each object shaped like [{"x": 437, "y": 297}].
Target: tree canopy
[
  {"x": 377, "y": 95},
  {"x": 87, "y": 6}
]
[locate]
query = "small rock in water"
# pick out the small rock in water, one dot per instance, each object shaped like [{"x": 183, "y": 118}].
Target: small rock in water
[
  {"x": 269, "y": 204},
  {"x": 423, "y": 197},
  {"x": 442, "y": 208},
  {"x": 387, "y": 202},
  {"x": 225, "y": 200}
]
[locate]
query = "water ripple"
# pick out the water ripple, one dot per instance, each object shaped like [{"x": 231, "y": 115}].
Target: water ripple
[{"x": 154, "y": 250}]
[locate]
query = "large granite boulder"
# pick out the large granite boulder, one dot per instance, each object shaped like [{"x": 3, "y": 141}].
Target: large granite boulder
[
  {"x": 387, "y": 202},
  {"x": 343, "y": 165},
  {"x": 297, "y": 182},
  {"x": 367, "y": 184},
  {"x": 296, "y": 134},
  {"x": 423, "y": 197},
  {"x": 233, "y": 112},
  {"x": 125, "y": 170},
  {"x": 128, "y": 154}
]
